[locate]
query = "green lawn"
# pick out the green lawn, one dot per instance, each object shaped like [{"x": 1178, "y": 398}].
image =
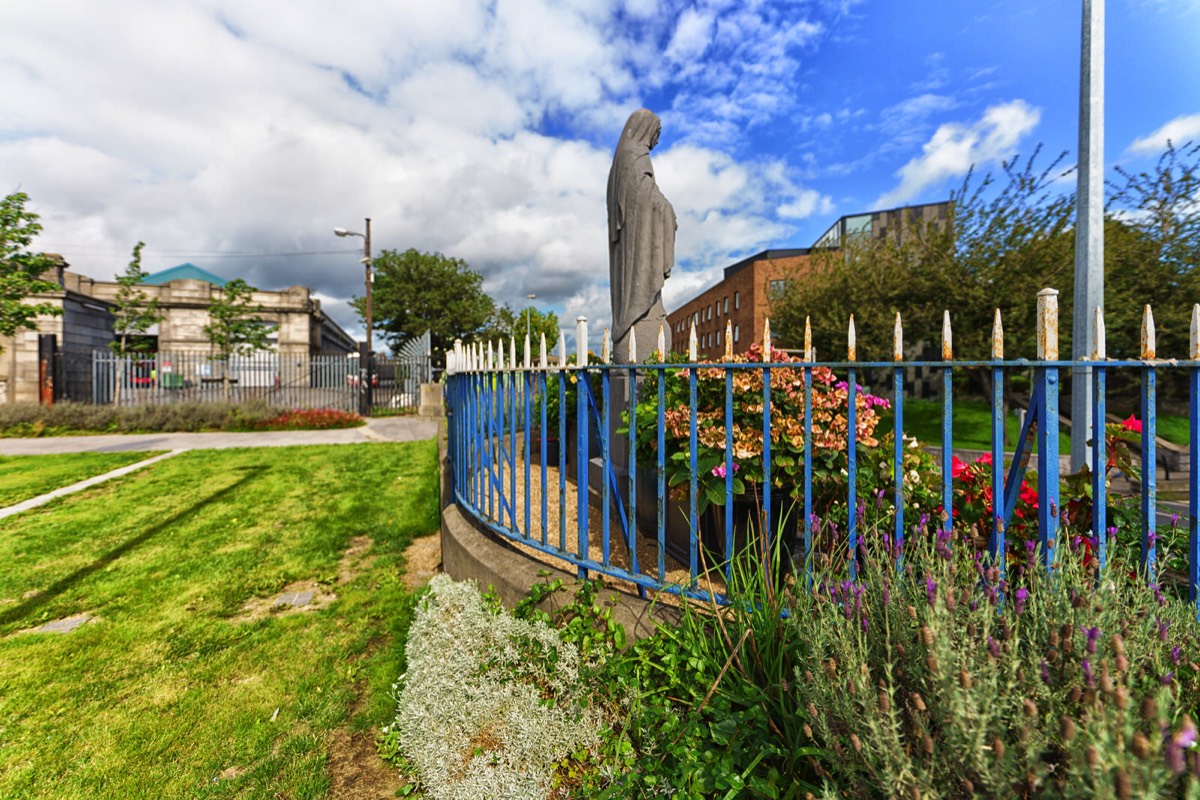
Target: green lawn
[
  {"x": 23, "y": 477},
  {"x": 168, "y": 693},
  {"x": 972, "y": 427}
]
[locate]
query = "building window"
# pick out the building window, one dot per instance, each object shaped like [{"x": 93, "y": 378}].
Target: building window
[
  {"x": 736, "y": 301},
  {"x": 726, "y": 305},
  {"x": 695, "y": 317},
  {"x": 777, "y": 288},
  {"x": 736, "y": 331},
  {"x": 718, "y": 338},
  {"x": 718, "y": 309}
]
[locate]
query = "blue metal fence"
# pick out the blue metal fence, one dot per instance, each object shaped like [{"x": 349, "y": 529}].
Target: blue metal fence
[{"x": 501, "y": 434}]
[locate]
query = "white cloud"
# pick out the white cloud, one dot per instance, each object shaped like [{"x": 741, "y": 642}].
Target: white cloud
[
  {"x": 483, "y": 130},
  {"x": 1177, "y": 131},
  {"x": 955, "y": 147}
]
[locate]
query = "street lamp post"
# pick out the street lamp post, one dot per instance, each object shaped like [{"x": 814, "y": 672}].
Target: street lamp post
[
  {"x": 528, "y": 314},
  {"x": 364, "y": 361},
  {"x": 366, "y": 260}
]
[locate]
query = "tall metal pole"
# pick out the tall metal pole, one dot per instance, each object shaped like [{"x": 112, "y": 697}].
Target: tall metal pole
[
  {"x": 1089, "y": 227},
  {"x": 367, "y": 264}
]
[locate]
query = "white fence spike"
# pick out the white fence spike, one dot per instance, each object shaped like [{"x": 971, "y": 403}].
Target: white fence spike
[
  {"x": 692, "y": 344},
  {"x": 662, "y": 344},
  {"x": 1149, "y": 346},
  {"x": 1047, "y": 324},
  {"x": 851, "y": 342},
  {"x": 997, "y": 337},
  {"x": 1099, "y": 345},
  {"x": 947, "y": 337},
  {"x": 728, "y": 341},
  {"x": 898, "y": 339},
  {"x": 606, "y": 348},
  {"x": 512, "y": 352},
  {"x": 1195, "y": 337},
  {"x": 528, "y": 353},
  {"x": 766, "y": 353},
  {"x": 633, "y": 347},
  {"x": 581, "y": 340},
  {"x": 543, "y": 360},
  {"x": 808, "y": 347}
]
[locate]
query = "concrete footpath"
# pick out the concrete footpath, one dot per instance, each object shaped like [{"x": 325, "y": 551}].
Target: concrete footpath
[{"x": 377, "y": 429}]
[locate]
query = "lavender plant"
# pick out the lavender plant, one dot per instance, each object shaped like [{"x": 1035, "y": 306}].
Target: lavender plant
[{"x": 948, "y": 678}]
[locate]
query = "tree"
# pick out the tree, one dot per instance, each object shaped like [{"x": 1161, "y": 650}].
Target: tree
[
  {"x": 505, "y": 323},
  {"x": 235, "y": 327},
  {"x": 133, "y": 313},
  {"x": 20, "y": 269},
  {"x": 1004, "y": 244},
  {"x": 416, "y": 292}
]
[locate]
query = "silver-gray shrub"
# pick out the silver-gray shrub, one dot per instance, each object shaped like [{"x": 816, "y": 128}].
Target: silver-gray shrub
[{"x": 490, "y": 703}]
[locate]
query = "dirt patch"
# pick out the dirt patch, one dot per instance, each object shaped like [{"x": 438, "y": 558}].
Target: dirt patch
[
  {"x": 355, "y": 560},
  {"x": 259, "y": 607},
  {"x": 356, "y": 770},
  {"x": 422, "y": 560}
]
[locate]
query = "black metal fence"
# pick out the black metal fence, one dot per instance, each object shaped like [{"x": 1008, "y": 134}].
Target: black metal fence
[{"x": 100, "y": 377}]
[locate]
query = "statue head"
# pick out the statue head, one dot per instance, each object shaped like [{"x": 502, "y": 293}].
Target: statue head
[{"x": 641, "y": 130}]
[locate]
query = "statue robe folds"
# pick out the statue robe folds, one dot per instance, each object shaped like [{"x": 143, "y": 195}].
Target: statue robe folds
[{"x": 641, "y": 239}]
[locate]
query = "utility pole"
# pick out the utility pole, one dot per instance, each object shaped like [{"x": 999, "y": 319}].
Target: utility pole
[
  {"x": 367, "y": 265},
  {"x": 1089, "y": 229}
]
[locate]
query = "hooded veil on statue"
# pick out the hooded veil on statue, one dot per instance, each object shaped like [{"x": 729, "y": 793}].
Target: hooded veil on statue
[{"x": 641, "y": 239}]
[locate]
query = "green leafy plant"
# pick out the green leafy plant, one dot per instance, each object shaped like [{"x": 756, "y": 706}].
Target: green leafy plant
[
  {"x": 235, "y": 327},
  {"x": 20, "y": 270}
]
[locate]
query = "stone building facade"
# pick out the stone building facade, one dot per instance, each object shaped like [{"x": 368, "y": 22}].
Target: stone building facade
[{"x": 86, "y": 324}]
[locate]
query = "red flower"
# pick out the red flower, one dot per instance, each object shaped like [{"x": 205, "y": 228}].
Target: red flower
[
  {"x": 986, "y": 458},
  {"x": 957, "y": 467},
  {"x": 1132, "y": 424}
]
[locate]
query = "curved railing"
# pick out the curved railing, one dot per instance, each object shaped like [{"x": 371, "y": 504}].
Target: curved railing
[{"x": 608, "y": 501}]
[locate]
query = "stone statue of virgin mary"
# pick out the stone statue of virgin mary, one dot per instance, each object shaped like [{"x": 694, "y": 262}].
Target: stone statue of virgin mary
[{"x": 641, "y": 240}]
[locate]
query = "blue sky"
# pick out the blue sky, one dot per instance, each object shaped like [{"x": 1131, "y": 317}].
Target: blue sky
[{"x": 237, "y": 135}]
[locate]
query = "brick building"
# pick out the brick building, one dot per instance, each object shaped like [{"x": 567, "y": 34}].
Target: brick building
[{"x": 743, "y": 297}]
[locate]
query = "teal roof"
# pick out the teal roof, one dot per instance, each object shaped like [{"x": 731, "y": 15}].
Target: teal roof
[{"x": 183, "y": 272}]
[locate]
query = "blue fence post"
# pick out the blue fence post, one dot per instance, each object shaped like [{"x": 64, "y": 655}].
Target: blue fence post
[
  {"x": 1046, "y": 380},
  {"x": 605, "y": 454},
  {"x": 851, "y": 452},
  {"x": 1194, "y": 466},
  {"x": 729, "y": 466},
  {"x": 766, "y": 498},
  {"x": 545, "y": 433},
  {"x": 693, "y": 514},
  {"x": 1149, "y": 451},
  {"x": 997, "y": 550},
  {"x": 527, "y": 390},
  {"x": 581, "y": 422},
  {"x": 809, "y": 358},
  {"x": 631, "y": 404},
  {"x": 563, "y": 444},
  {"x": 1099, "y": 444},
  {"x": 898, "y": 440},
  {"x": 660, "y": 452},
  {"x": 947, "y": 428}
]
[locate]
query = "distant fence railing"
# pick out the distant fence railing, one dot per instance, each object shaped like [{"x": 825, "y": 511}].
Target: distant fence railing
[
  {"x": 286, "y": 380},
  {"x": 508, "y": 415}
]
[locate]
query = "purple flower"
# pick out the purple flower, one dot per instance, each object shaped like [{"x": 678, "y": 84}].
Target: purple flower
[
  {"x": 1045, "y": 673},
  {"x": 993, "y": 648},
  {"x": 931, "y": 591},
  {"x": 1166, "y": 679},
  {"x": 1021, "y": 597},
  {"x": 887, "y": 595},
  {"x": 1087, "y": 673},
  {"x": 1175, "y": 652},
  {"x": 1092, "y": 635},
  {"x": 865, "y": 624},
  {"x": 1030, "y": 546},
  {"x": 1163, "y": 625},
  {"x": 1174, "y": 519}
]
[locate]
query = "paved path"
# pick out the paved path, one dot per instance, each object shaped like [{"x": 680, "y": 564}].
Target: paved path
[{"x": 377, "y": 429}]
